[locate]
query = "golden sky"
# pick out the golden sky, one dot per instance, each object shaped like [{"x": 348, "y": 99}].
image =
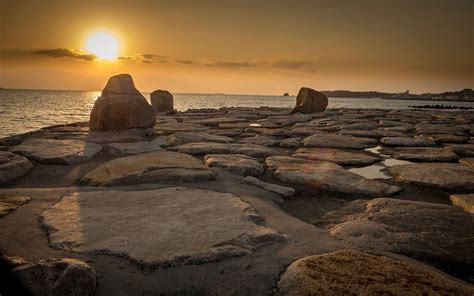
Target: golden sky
[{"x": 241, "y": 46}]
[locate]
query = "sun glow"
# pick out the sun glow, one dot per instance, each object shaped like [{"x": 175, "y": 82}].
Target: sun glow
[{"x": 104, "y": 45}]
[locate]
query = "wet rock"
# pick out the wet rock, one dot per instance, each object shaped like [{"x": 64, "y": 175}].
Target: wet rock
[
  {"x": 339, "y": 141},
  {"x": 290, "y": 142},
  {"x": 407, "y": 142},
  {"x": 252, "y": 124},
  {"x": 181, "y": 138},
  {"x": 282, "y": 191},
  {"x": 326, "y": 176},
  {"x": 352, "y": 272},
  {"x": 136, "y": 147},
  {"x": 463, "y": 201},
  {"x": 421, "y": 154},
  {"x": 401, "y": 226},
  {"x": 10, "y": 203},
  {"x": 161, "y": 228},
  {"x": 161, "y": 100},
  {"x": 202, "y": 148},
  {"x": 121, "y": 106},
  {"x": 237, "y": 163},
  {"x": 446, "y": 176},
  {"x": 310, "y": 101},
  {"x": 337, "y": 156},
  {"x": 66, "y": 276},
  {"x": 68, "y": 152},
  {"x": 154, "y": 167},
  {"x": 13, "y": 166},
  {"x": 467, "y": 162}
]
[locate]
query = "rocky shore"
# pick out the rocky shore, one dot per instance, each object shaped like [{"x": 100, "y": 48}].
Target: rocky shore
[{"x": 241, "y": 201}]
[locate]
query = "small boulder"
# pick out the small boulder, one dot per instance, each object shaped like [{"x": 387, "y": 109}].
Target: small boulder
[
  {"x": 13, "y": 166},
  {"x": 162, "y": 100},
  {"x": 121, "y": 106},
  {"x": 310, "y": 101}
]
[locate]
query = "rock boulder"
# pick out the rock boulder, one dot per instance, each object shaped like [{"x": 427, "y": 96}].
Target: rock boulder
[
  {"x": 162, "y": 100},
  {"x": 310, "y": 101}
]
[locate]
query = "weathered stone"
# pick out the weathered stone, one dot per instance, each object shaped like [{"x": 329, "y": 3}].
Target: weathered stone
[
  {"x": 446, "y": 176},
  {"x": 181, "y": 138},
  {"x": 463, "y": 201},
  {"x": 172, "y": 127},
  {"x": 421, "y": 230},
  {"x": 290, "y": 142},
  {"x": 467, "y": 162},
  {"x": 339, "y": 141},
  {"x": 202, "y": 148},
  {"x": 161, "y": 228},
  {"x": 237, "y": 163},
  {"x": 161, "y": 167},
  {"x": 352, "y": 272},
  {"x": 278, "y": 189},
  {"x": 48, "y": 151},
  {"x": 57, "y": 277},
  {"x": 121, "y": 106},
  {"x": 337, "y": 156},
  {"x": 421, "y": 154},
  {"x": 217, "y": 120},
  {"x": 11, "y": 202},
  {"x": 136, "y": 147},
  {"x": 13, "y": 166},
  {"x": 326, "y": 176},
  {"x": 261, "y": 140},
  {"x": 161, "y": 100},
  {"x": 252, "y": 124},
  {"x": 464, "y": 150},
  {"x": 310, "y": 101},
  {"x": 407, "y": 142},
  {"x": 303, "y": 131},
  {"x": 445, "y": 138},
  {"x": 361, "y": 133},
  {"x": 119, "y": 136}
]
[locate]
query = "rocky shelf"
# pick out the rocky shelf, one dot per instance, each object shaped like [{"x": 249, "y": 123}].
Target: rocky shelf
[{"x": 243, "y": 201}]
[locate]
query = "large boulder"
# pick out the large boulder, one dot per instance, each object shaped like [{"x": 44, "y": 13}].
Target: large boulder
[
  {"x": 13, "y": 166},
  {"x": 310, "y": 101},
  {"x": 121, "y": 106},
  {"x": 162, "y": 100},
  {"x": 351, "y": 272}
]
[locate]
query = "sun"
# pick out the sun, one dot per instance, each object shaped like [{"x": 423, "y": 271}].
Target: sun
[{"x": 104, "y": 45}]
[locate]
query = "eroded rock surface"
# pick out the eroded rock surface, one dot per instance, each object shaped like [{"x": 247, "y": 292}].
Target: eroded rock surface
[
  {"x": 309, "y": 101},
  {"x": 326, "y": 176},
  {"x": 161, "y": 100},
  {"x": 428, "y": 154},
  {"x": 181, "y": 138},
  {"x": 353, "y": 272},
  {"x": 448, "y": 176},
  {"x": 339, "y": 141},
  {"x": 225, "y": 148},
  {"x": 48, "y": 151},
  {"x": 10, "y": 203},
  {"x": 278, "y": 189},
  {"x": 463, "y": 201},
  {"x": 166, "y": 227},
  {"x": 154, "y": 167},
  {"x": 337, "y": 156},
  {"x": 406, "y": 227},
  {"x": 407, "y": 142},
  {"x": 136, "y": 147},
  {"x": 13, "y": 166},
  {"x": 237, "y": 163}
]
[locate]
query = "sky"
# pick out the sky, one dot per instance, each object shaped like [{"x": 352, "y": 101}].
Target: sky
[{"x": 241, "y": 46}]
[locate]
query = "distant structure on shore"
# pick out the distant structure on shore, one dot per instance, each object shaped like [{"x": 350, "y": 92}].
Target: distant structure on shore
[
  {"x": 465, "y": 95},
  {"x": 286, "y": 94}
]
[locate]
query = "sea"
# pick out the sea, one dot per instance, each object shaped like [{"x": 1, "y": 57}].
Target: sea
[{"x": 28, "y": 110}]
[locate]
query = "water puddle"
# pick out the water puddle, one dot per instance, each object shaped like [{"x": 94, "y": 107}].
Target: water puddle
[{"x": 375, "y": 171}]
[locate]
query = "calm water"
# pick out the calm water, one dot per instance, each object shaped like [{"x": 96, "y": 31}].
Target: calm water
[{"x": 27, "y": 110}]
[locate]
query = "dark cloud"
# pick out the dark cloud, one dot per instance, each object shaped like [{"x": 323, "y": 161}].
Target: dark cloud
[
  {"x": 230, "y": 64},
  {"x": 187, "y": 62},
  {"x": 64, "y": 53},
  {"x": 148, "y": 56},
  {"x": 147, "y": 61},
  {"x": 125, "y": 58},
  {"x": 292, "y": 64}
]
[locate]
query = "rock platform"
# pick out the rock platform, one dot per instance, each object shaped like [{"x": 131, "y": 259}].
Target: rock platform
[{"x": 244, "y": 201}]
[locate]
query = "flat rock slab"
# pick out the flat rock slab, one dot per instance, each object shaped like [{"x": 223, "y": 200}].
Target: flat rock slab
[
  {"x": 352, "y": 272},
  {"x": 261, "y": 140},
  {"x": 337, "y": 156},
  {"x": 202, "y": 148},
  {"x": 407, "y": 142},
  {"x": 159, "y": 228},
  {"x": 161, "y": 167},
  {"x": 463, "y": 201},
  {"x": 13, "y": 166},
  {"x": 467, "y": 162},
  {"x": 181, "y": 138},
  {"x": 172, "y": 127},
  {"x": 11, "y": 202},
  {"x": 423, "y": 230},
  {"x": 237, "y": 163},
  {"x": 445, "y": 138},
  {"x": 339, "y": 141},
  {"x": 68, "y": 152},
  {"x": 428, "y": 154},
  {"x": 446, "y": 176},
  {"x": 119, "y": 136},
  {"x": 136, "y": 147},
  {"x": 326, "y": 176},
  {"x": 278, "y": 189}
]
